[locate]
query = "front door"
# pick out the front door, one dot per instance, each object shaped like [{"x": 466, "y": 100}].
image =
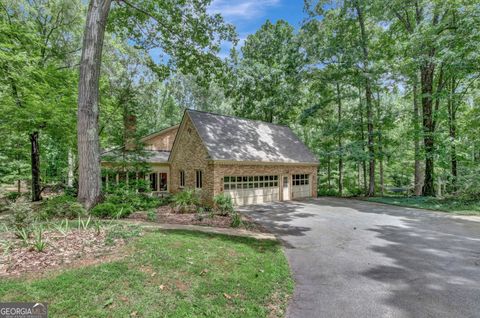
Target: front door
[{"x": 285, "y": 188}]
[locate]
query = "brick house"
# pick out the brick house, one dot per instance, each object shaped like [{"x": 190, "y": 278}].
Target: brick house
[{"x": 252, "y": 161}]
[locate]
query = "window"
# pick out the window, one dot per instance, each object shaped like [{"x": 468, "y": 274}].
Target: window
[
  {"x": 182, "y": 178},
  {"x": 198, "y": 179},
  {"x": 153, "y": 181},
  {"x": 162, "y": 181},
  {"x": 249, "y": 182},
  {"x": 300, "y": 179}
]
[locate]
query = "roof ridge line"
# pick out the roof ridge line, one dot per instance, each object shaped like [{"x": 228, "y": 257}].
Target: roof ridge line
[{"x": 236, "y": 117}]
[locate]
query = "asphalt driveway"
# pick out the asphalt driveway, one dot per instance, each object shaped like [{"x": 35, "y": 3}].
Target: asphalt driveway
[{"x": 359, "y": 259}]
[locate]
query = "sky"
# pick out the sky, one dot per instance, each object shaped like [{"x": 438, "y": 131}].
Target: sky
[{"x": 249, "y": 15}]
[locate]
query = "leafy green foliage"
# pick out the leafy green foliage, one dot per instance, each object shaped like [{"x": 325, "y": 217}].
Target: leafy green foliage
[
  {"x": 152, "y": 215},
  {"x": 62, "y": 206},
  {"x": 111, "y": 210},
  {"x": 39, "y": 244},
  {"x": 450, "y": 205},
  {"x": 38, "y": 88},
  {"x": 266, "y": 80},
  {"x": 21, "y": 216},
  {"x": 121, "y": 201},
  {"x": 236, "y": 220},
  {"x": 223, "y": 204},
  {"x": 12, "y": 196},
  {"x": 186, "y": 201}
]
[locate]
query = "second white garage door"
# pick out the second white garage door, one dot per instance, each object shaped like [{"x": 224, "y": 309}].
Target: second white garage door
[
  {"x": 301, "y": 186},
  {"x": 251, "y": 189}
]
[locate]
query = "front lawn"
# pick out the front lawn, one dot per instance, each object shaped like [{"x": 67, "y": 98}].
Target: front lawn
[
  {"x": 169, "y": 274},
  {"x": 450, "y": 205}
]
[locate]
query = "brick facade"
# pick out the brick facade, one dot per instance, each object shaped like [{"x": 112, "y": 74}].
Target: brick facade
[
  {"x": 189, "y": 154},
  {"x": 221, "y": 170}
]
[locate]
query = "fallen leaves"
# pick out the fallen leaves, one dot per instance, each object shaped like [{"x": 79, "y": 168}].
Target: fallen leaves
[
  {"x": 74, "y": 248},
  {"x": 165, "y": 214}
]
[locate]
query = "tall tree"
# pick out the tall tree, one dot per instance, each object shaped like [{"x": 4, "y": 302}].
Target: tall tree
[
  {"x": 368, "y": 96},
  {"x": 40, "y": 41},
  {"x": 183, "y": 30},
  {"x": 267, "y": 78}
]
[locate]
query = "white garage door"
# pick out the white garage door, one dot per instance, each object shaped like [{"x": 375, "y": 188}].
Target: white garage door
[
  {"x": 301, "y": 186},
  {"x": 251, "y": 189}
]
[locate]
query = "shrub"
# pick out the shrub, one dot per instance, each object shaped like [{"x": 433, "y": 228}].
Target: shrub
[
  {"x": 112, "y": 210},
  {"x": 185, "y": 201},
  {"x": 62, "y": 206},
  {"x": 223, "y": 204},
  {"x": 71, "y": 191},
  {"x": 39, "y": 244},
  {"x": 152, "y": 215},
  {"x": 327, "y": 192},
  {"x": 12, "y": 196},
  {"x": 21, "y": 217},
  {"x": 236, "y": 220},
  {"x": 138, "y": 201}
]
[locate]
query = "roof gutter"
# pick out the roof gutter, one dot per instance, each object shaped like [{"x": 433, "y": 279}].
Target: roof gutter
[{"x": 261, "y": 163}]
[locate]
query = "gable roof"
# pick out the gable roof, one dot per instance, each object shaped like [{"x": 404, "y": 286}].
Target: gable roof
[
  {"x": 236, "y": 139},
  {"x": 158, "y": 133}
]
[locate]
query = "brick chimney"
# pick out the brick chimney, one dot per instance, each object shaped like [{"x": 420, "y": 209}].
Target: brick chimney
[{"x": 130, "y": 126}]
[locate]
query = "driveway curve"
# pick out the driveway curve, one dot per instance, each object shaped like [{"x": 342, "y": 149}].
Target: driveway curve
[{"x": 354, "y": 258}]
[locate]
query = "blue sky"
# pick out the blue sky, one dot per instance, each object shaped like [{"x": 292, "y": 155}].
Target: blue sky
[{"x": 249, "y": 15}]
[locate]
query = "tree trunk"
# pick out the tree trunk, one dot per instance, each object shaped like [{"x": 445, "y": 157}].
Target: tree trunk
[
  {"x": 89, "y": 185},
  {"x": 427, "y": 73},
  {"x": 329, "y": 174},
  {"x": 368, "y": 100},
  {"x": 362, "y": 135},
  {"x": 340, "y": 155},
  {"x": 380, "y": 144},
  {"x": 35, "y": 154},
  {"x": 418, "y": 174},
  {"x": 452, "y": 123},
  {"x": 71, "y": 168}
]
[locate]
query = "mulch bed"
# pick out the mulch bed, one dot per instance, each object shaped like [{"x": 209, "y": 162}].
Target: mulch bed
[
  {"x": 78, "y": 247},
  {"x": 165, "y": 214}
]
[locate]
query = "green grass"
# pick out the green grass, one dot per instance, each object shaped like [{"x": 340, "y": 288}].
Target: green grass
[
  {"x": 169, "y": 274},
  {"x": 450, "y": 205}
]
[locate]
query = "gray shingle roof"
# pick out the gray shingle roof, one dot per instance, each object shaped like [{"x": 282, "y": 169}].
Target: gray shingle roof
[
  {"x": 238, "y": 139},
  {"x": 152, "y": 156}
]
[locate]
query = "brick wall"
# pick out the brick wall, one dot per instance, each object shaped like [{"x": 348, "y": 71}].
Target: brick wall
[{"x": 191, "y": 155}]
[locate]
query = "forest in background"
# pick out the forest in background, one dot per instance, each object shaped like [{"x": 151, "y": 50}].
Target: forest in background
[{"x": 385, "y": 93}]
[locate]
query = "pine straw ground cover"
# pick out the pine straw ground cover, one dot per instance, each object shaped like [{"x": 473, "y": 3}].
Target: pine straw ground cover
[
  {"x": 67, "y": 247},
  {"x": 169, "y": 274},
  {"x": 166, "y": 214}
]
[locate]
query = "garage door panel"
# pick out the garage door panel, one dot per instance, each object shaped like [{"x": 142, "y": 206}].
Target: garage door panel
[
  {"x": 301, "y": 191},
  {"x": 256, "y": 189}
]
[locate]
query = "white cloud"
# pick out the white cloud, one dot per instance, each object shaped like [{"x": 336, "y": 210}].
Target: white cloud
[{"x": 242, "y": 9}]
